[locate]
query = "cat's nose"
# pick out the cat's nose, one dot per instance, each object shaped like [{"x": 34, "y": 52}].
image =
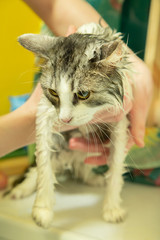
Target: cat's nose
[{"x": 66, "y": 120}]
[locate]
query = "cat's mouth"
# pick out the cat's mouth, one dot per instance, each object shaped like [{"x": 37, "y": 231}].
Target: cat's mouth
[
  {"x": 66, "y": 120},
  {"x": 74, "y": 122}
]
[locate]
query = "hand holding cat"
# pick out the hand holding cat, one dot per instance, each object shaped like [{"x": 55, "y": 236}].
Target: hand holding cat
[
  {"x": 143, "y": 92},
  {"x": 17, "y": 128},
  {"x": 137, "y": 109},
  {"x": 23, "y": 119}
]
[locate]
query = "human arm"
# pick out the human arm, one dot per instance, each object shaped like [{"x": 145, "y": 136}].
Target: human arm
[
  {"x": 60, "y": 14},
  {"x": 17, "y": 129}
]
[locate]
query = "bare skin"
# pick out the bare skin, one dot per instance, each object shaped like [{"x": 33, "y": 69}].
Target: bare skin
[
  {"x": 59, "y": 15},
  {"x": 17, "y": 129}
]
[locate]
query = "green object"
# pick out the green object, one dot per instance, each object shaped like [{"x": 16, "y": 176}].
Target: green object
[
  {"x": 17, "y": 153},
  {"x": 109, "y": 14},
  {"x": 149, "y": 156},
  {"x": 100, "y": 169},
  {"x": 134, "y": 23},
  {"x": 37, "y": 76},
  {"x": 148, "y": 177},
  {"x": 31, "y": 151}
]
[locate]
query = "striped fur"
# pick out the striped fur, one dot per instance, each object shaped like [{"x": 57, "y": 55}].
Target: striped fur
[{"x": 93, "y": 60}]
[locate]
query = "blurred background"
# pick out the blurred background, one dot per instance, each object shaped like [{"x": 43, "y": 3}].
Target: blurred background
[{"x": 16, "y": 64}]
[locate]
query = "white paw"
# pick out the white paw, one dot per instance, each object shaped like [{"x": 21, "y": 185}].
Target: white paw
[
  {"x": 19, "y": 192},
  {"x": 114, "y": 215},
  {"x": 42, "y": 216}
]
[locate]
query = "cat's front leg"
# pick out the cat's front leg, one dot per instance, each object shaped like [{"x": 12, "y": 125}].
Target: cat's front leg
[
  {"x": 43, "y": 206},
  {"x": 27, "y": 186},
  {"x": 112, "y": 211}
]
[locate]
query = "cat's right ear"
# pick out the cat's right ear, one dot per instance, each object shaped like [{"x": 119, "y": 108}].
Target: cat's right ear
[{"x": 38, "y": 44}]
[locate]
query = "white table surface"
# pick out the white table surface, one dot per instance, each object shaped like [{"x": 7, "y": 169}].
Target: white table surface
[{"x": 78, "y": 215}]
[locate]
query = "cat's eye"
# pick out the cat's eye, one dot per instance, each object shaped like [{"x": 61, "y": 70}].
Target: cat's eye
[
  {"x": 82, "y": 95},
  {"x": 52, "y": 92}
]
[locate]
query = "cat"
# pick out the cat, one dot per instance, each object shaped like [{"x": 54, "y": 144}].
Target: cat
[{"x": 82, "y": 74}]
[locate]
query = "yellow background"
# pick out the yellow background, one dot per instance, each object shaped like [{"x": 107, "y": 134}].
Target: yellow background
[{"x": 16, "y": 63}]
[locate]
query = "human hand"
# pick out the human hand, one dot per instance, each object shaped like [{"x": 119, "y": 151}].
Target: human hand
[
  {"x": 32, "y": 103},
  {"x": 30, "y": 106},
  {"x": 143, "y": 93}
]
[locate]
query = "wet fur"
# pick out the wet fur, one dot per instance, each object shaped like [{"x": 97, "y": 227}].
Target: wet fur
[{"x": 93, "y": 59}]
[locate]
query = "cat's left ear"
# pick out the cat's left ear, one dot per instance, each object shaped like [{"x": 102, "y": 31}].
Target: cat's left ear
[
  {"x": 112, "y": 52},
  {"x": 38, "y": 44}
]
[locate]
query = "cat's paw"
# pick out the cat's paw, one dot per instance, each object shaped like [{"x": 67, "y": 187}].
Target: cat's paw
[
  {"x": 42, "y": 216},
  {"x": 20, "y": 192},
  {"x": 114, "y": 215}
]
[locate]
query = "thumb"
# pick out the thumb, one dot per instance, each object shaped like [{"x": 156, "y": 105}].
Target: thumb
[
  {"x": 71, "y": 29},
  {"x": 138, "y": 122}
]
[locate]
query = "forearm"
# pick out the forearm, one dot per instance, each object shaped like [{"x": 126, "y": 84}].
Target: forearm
[
  {"x": 17, "y": 129},
  {"x": 60, "y": 14}
]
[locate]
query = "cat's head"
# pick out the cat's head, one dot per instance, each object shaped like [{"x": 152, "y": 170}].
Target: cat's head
[{"x": 81, "y": 74}]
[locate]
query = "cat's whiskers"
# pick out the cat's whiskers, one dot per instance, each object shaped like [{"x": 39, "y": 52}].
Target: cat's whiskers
[
  {"x": 33, "y": 70},
  {"x": 128, "y": 169},
  {"x": 113, "y": 132},
  {"x": 104, "y": 132},
  {"x": 102, "y": 143},
  {"x": 93, "y": 133},
  {"x": 106, "y": 125},
  {"x": 88, "y": 140},
  {"x": 101, "y": 131},
  {"x": 128, "y": 154}
]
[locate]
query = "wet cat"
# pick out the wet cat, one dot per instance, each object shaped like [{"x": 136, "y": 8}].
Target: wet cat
[{"x": 81, "y": 75}]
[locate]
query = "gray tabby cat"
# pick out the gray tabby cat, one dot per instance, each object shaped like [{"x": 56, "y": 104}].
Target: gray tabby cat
[{"x": 82, "y": 74}]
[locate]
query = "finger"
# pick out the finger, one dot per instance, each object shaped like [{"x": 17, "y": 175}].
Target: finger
[
  {"x": 111, "y": 115},
  {"x": 84, "y": 145},
  {"x": 138, "y": 117},
  {"x": 138, "y": 123},
  {"x": 71, "y": 29},
  {"x": 130, "y": 143},
  {"x": 142, "y": 99},
  {"x": 127, "y": 103},
  {"x": 104, "y": 115},
  {"x": 96, "y": 160}
]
